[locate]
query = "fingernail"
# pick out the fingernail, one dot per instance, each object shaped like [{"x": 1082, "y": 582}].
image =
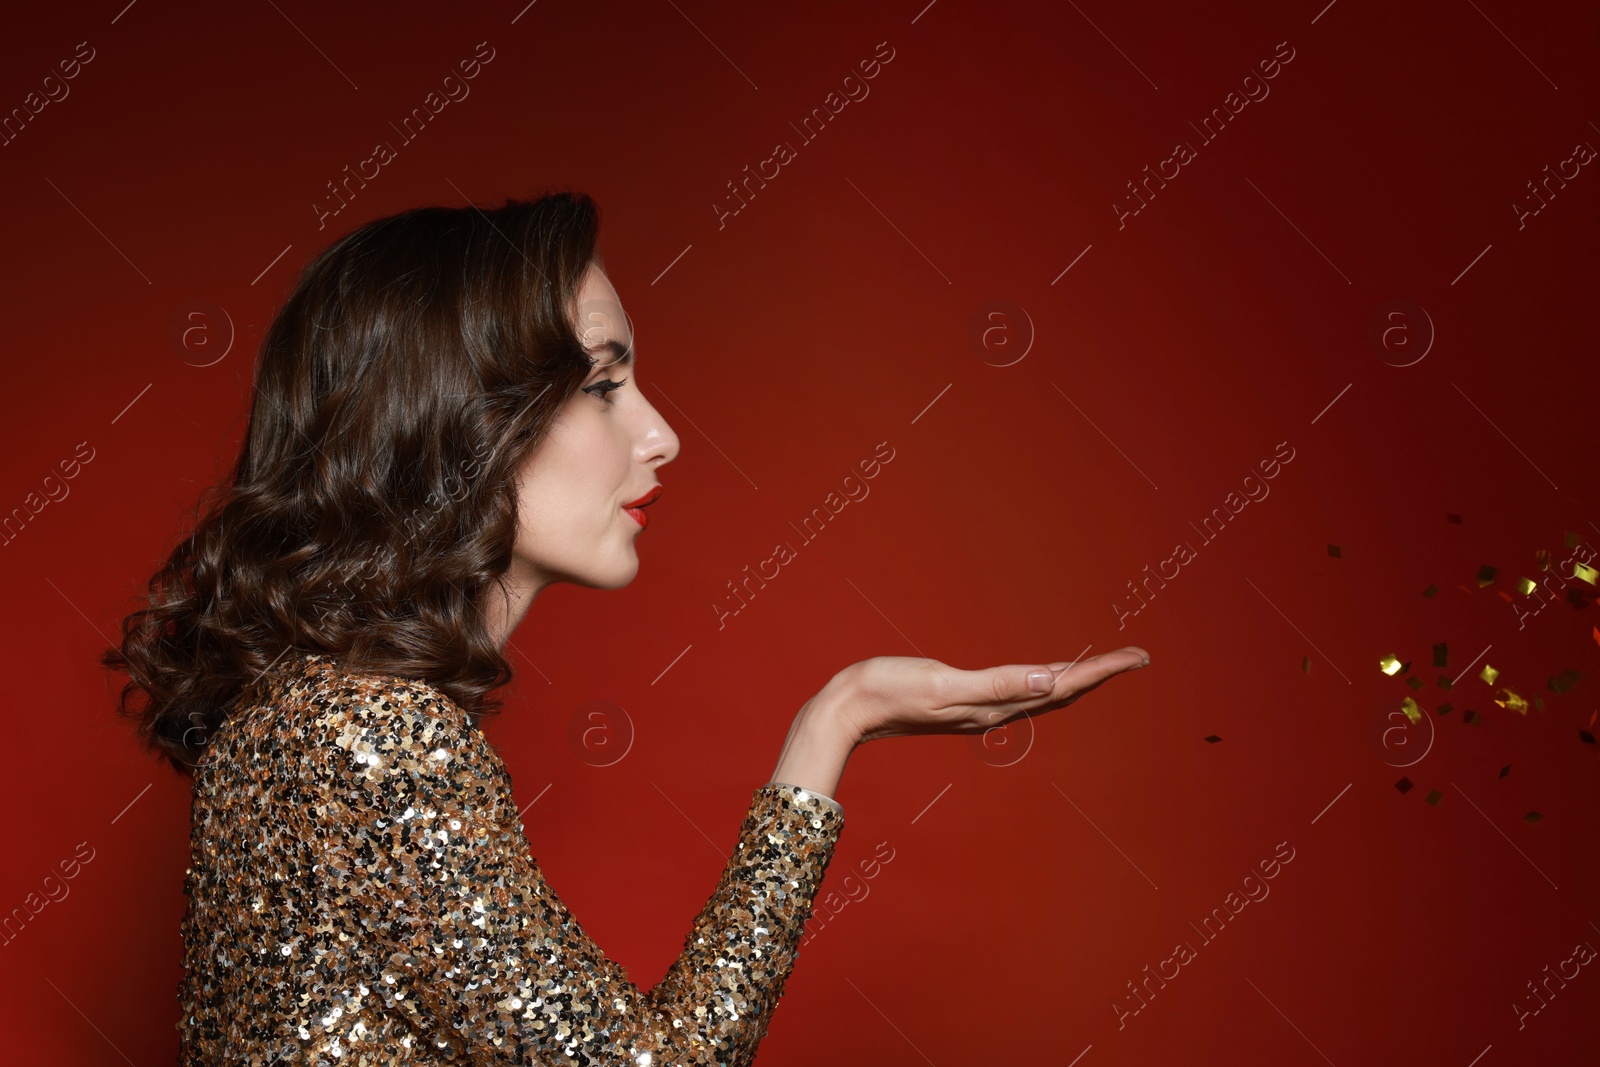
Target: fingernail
[
  {"x": 1040, "y": 681},
  {"x": 1143, "y": 663}
]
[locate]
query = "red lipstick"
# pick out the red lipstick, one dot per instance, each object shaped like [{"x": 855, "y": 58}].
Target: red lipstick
[{"x": 636, "y": 508}]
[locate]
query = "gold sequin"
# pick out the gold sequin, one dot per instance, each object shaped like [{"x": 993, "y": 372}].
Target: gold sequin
[{"x": 361, "y": 891}]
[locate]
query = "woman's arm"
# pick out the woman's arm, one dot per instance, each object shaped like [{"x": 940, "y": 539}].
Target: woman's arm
[{"x": 424, "y": 842}]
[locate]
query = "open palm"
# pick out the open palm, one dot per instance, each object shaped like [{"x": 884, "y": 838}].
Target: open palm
[{"x": 892, "y": 696}]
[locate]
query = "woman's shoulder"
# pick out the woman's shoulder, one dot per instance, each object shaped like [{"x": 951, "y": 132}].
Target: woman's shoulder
[{"x": 322, "y": 714}]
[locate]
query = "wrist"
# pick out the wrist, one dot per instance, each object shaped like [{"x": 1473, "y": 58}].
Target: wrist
[{"x": 819, "y": 745}]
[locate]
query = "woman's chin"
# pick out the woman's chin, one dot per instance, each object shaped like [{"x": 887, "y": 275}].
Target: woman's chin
[{"x": 619, "y": 577}]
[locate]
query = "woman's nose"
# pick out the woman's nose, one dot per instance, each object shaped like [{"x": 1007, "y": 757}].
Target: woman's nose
[{"x": 660, "y": 444}]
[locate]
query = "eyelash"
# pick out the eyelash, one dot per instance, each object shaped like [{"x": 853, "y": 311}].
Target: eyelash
[{"x": 603, "y": 388}]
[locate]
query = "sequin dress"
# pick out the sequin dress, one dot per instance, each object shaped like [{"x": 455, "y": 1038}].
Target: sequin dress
[{"x": 361, "y": 892}]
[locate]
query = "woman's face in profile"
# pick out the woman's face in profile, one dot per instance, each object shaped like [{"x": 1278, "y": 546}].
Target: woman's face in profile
[{"x": 601, "y": 453}]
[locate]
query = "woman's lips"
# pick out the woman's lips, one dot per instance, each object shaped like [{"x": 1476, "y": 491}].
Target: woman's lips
[{"x": 636, "y": 508}]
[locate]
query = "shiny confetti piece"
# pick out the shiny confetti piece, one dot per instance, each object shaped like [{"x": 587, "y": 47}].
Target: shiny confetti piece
[
  {"x": 1454, "y": 518},
  {"x": 1525, "y": 586},
  {"x": 1441, "y": 654},
  {"x": 1586, "y": 737},
  {"x": 1505, "y": 770},
  {"x": 1542, "y": 558},
  {"x": 1213, "y": 739},
  {"x": 1572, "y": 539},
  {"x": 1389, "y": 665},
  {"x": 1414, "y": 682},
  {"x": 1433, "y": 797},
  {"x": 1563, "y": 682},
  {"x": 1335, "y": 552},
  {"x": 1445, "y": 709},
  {"x": 1305, "y": 664},
  {"x": 1532, "y": 817},
  {"x": 1485, "y": 575},
  {"x": 1470, "y": 717},
  {"x": 1512, "y": 701},
  {"x": 1403, "y": 785},
  {"x": 1445, "y": 681},
  {"x": 1538, "y": 701},
  {"x": 1430, "y": 591},
  {"x": 1488, "y": 674},
  {"x": 1586, "y": 572},
  {"x": 1412, "y": 709}
]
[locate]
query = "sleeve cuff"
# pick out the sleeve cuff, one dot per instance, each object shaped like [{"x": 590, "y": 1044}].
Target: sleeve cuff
[{"x": 825, "y": 799}]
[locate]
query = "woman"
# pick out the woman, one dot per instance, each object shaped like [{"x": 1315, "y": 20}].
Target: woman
[{"x": 447, "y": 419}]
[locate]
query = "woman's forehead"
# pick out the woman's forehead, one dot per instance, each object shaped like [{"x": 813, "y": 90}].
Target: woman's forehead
[{"x": 602, "y": 321}]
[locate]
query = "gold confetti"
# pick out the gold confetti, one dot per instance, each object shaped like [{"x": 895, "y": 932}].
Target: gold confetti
[
  {"x": 1305, "y": 664},
  {"x": 1445, "y": 681},
  {"x": 1532, "y": 816},
  {"x": 1525, "y": 586},
  {"x": 1485, "y": 575},
  {"x": 1512, "y": 701},
  {"x": 1433, "y": 797},
  {"x": 1412, "y": 710},
  {"x": 1488, "y": 674},
  {"x": 1389, "y": 665},
  {"x": 1441, "y": 655},
  {"x": 1335, "y": 552},
  {"x": 1586, "y": 572},
  {"x": 1572, "y": 539},
  {"x": 1542, "y": 558},
  {"x": 1414, "y": 682},
  {"x": 1564, "y": 681},
  {"x": 1430, "y": 591}
]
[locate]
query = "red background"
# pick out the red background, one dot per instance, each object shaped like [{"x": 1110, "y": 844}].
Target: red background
[{"x": 836, "y": 311}]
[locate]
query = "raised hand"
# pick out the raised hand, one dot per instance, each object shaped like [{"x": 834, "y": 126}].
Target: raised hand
[{"x": 890, "y": 696}]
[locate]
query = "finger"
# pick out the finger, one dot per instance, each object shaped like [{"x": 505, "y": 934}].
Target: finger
[
  {"x": 1013, "y": 683},
  {"x": 1089, "y": 673},
  {"x": 1060, "y": 665}
]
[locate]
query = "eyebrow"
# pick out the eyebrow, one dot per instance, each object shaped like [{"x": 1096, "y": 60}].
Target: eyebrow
[{"x": 622, "y": 355}]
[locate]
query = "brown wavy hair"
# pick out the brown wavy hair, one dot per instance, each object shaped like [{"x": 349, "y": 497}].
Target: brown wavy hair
[{"x": 372, "y": 510}]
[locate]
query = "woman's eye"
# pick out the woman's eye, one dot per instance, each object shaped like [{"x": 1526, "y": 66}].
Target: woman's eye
[{"x": 604, "y": 388}]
